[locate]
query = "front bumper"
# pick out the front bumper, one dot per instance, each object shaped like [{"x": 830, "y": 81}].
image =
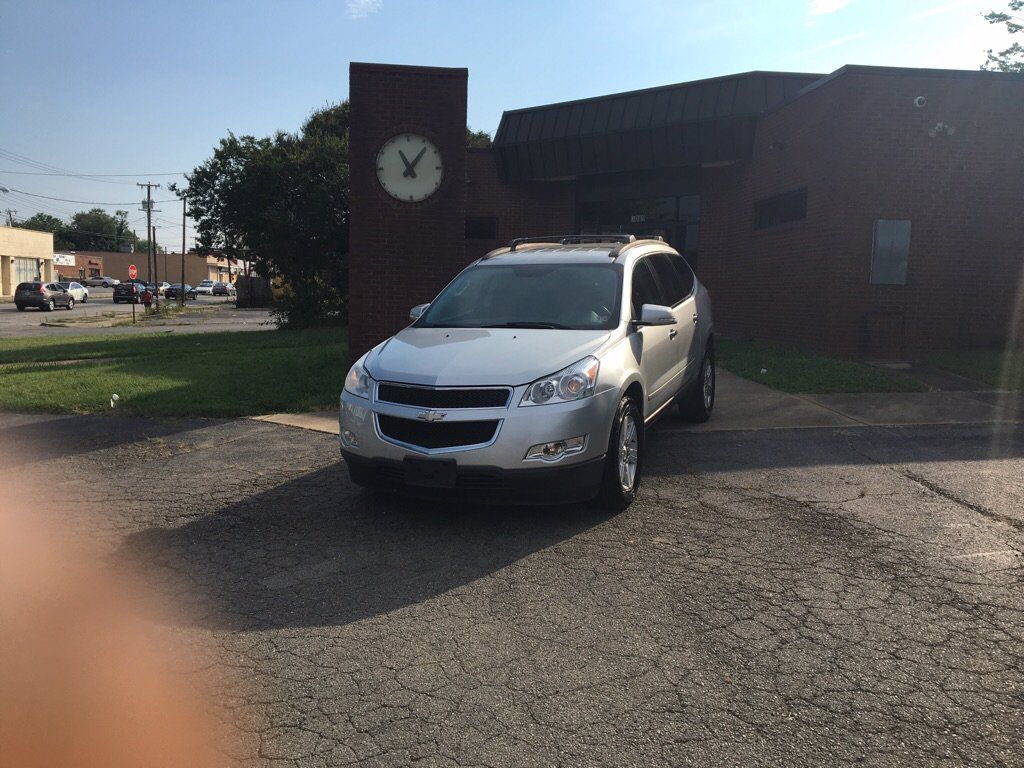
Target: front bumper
[{"x": 496, "y": 471}]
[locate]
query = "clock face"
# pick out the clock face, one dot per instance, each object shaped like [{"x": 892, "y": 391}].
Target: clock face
[{"x": 409, "y": 167}]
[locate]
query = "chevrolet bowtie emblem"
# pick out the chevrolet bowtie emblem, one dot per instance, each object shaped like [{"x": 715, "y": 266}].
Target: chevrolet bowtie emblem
[{"x": 431, "y": 416}]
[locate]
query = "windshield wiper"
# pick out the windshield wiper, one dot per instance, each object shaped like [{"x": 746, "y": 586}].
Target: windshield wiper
[{"x": 526, "y": 324}]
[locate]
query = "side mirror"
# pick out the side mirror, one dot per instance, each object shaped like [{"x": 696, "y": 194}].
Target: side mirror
[
  {"x": 656, "y": 314},
  {"x": 416, "y": 312}
]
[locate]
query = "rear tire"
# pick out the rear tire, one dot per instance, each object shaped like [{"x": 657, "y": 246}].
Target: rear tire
[
  {"x": 71, "y": 304},
  {"x": 21, "y": 307},
  {"x": 624, "y": 461},
  {"x": 698, "y": 401},
  {"x": 50, "y": 305}
]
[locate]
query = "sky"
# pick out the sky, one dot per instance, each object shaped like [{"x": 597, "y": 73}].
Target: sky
[{"x": 145, "y": 88}]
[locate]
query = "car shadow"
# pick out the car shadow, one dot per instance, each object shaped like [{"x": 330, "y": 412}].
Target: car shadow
[
  {"x": 318, "y": 551},
  {"x": 56, "y": 437}
]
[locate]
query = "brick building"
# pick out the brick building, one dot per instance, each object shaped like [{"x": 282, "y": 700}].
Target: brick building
[{"x": 871, "y": 212}]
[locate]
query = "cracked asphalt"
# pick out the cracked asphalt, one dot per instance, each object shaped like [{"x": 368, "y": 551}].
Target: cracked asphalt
[{"x": 804, "y": 597}]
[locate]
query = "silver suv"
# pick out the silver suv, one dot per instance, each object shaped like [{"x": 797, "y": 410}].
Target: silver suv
[{"x": 534, "y": 374}]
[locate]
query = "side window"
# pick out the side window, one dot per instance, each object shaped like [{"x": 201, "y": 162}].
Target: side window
[
  {"x": 889, "y": 251},
  {"x": 645, "y": 287},
  {"x": 684, "y": 272},
  {"x": 671, "y": 285}
]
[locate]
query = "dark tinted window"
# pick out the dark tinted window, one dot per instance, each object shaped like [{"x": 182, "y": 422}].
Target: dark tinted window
[
  {"x": 645, "y": 288},
  {"x": 671, "y": 286},
  {"x": 27, "y": 287},
  {"x": 685, "y": 273},
  {"x": 780, "y": 209},
  {"x": 481, "y": 228},
  {"x": 64, "y": 285}
]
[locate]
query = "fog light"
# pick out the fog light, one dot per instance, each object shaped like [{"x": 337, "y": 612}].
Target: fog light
[
  {"x": 348, "y": 438},
  {"x": 556, "y": 449}
]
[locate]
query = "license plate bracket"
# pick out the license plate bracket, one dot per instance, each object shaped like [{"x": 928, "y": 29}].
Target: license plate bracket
[{"x": 430, "y": 473}]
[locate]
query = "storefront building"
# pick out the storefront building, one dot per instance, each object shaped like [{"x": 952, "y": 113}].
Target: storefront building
[
  {"x": 25, "y": 255},
  {"x": 872, "y": 212}
]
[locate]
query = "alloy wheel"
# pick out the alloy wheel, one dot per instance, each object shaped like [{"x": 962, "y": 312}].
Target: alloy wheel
[
  {"x": 709, "y": 382},
  {"x": 629, "y": 452}
]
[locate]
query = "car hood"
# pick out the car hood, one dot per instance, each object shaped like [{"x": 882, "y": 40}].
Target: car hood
[{"x": 478, "y": 356}]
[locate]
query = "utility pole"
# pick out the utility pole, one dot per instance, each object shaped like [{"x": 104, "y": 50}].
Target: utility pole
[
  {"x": 182, "y": 291},
  {"x": 147, "y": 206},
  {"x": 156, "y": 277},
  {"x": 10, "y": 217}
]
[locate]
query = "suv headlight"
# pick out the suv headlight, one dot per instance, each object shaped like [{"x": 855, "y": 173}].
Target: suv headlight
[
  {"x": 358, "y": 381},
  {"x": 577, "y": 381}
]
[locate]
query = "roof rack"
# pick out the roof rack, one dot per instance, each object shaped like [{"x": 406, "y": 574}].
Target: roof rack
[{"x": 571, "y": 240}]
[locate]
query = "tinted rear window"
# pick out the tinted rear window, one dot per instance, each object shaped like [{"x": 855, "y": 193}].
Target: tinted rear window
[{"x": 27, "y": 287}]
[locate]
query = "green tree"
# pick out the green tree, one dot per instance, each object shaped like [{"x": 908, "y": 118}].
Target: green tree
[
  {"x": 1010, "y": 59},
  {"x": 284, "y": 200},
  {"x": 477, "y": 139},
  {"x": 44, "y": 222}
]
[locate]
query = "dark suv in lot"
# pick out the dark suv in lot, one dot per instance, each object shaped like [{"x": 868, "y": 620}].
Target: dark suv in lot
[
  {"x": 129, "y": 291},
  {"x": 46, "y": 296}
]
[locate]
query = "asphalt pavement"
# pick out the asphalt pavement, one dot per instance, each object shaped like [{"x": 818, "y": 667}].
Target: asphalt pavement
[{"x": 828, "y": 595}]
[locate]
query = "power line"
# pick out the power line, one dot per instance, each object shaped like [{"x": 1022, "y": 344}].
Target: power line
[
  {"x": 24, "y": 160},
  {"x": 80, "y": 175},
  {"x": 87, "y": 202}
]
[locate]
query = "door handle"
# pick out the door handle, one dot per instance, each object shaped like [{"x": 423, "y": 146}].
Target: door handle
[
  {"x": 673, "y": 333},
  {"x": 694, "y": 317}
]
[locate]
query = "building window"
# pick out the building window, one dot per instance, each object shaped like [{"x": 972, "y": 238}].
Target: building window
[
  {"x": 481, "y": 228},
  {"x": 889, "y": 252},
  {"x": 781, "y": 209}
]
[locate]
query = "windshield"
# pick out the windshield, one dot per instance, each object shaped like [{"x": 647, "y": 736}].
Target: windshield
[{"x": 572, "y": 296}]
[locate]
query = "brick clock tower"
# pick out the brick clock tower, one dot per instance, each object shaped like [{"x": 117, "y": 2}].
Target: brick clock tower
[{"x": 407, "y": 160}]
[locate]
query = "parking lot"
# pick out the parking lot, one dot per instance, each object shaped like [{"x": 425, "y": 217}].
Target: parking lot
[
  {"x": 826, "y": 595},
  {"x": 101, "y": 309}
]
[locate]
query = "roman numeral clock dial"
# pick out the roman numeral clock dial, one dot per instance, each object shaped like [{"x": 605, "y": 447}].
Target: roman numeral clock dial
[{"x": 409, "y": 167}]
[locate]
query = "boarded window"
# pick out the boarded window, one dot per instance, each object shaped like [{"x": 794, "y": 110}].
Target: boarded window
[
  {"x": 481, "y": 228},
  {"x": 781, "y": 209},
  {"x": 889, "y": 252}
]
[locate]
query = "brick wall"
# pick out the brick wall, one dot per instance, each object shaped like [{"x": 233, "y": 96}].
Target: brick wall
[
  {"x": 864, "y": 152},
  {"x": 402, "y": 254},
  {"x": 522, "y": 210}
]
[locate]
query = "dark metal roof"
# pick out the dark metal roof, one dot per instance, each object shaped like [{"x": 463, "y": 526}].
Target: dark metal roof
[{"x": 704, "y": 121}]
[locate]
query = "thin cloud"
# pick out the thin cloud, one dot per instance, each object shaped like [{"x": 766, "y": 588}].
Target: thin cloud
[
  {"x": 822, "y": 7},
  {"x": 839, "y": 41},
  {"x": 939, "y": 9},
  {"x": 360, "y": 9}
]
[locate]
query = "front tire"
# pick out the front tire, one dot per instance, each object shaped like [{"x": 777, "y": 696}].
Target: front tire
[
  {"x": 624, "y": 460},
  {"x": 699, "y": 400}
]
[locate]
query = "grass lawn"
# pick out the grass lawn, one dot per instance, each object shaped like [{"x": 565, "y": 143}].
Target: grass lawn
[
  {"x": 998, "y": 368},
  {"x": 799, "y": 372},
  {"x": 168, "y": 374}
]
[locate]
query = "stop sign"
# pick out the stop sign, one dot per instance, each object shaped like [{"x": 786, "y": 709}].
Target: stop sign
[{"x": 132, "y": 272}]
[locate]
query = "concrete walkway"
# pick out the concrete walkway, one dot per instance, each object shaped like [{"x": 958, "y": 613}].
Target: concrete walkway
[{"x": 747, "y": 405}]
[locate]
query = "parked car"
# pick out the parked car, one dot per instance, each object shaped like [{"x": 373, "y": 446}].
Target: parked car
[
  {"x": 47, "y": 296},
  {"x": 223, "y": 289},
  {"x": 524, "y": 378},
  {"x": 79, "y": 291},
  {"x": 158, "y": 288},
  {"x": 101, "y": 281},
  {"x": 172, "y": 291},
  {"x": 129, "y": 291},
  {"x": 205, "y": 288}
]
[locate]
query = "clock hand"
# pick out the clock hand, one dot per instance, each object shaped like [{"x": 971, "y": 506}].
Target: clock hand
[
  {"x": 408, "y": 166},
  {"x": 417, "y": 158}
]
